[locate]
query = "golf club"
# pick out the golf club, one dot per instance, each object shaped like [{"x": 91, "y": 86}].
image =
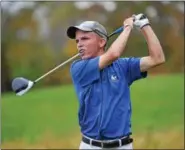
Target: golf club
[{"x": 21, "y": 85}]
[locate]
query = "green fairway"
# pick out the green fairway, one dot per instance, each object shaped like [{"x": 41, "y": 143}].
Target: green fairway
[{"x": 157, "y": 102}]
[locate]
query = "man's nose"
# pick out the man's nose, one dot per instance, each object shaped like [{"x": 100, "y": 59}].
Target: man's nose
[{"x": 80, "y": 45}]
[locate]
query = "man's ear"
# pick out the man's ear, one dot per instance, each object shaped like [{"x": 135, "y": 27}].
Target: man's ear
[{"x": 102, "y": 42}]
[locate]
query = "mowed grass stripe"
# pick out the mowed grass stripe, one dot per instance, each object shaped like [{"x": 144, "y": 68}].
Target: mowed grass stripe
[{"x": 158, "y": 104}]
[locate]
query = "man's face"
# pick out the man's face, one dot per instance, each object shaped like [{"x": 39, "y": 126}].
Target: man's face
[{"x": 89, "y": 44}]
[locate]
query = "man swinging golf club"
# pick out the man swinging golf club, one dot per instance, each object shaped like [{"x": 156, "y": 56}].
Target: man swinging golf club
[{"x": 102, "y": 80}]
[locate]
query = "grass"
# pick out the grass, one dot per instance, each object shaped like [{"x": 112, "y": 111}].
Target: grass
[
  {"x": 29, "y": 116},
  {"x": 158, "y": 102},
  {"x": 172, "y": 139},
  {"x": 47, "y": 114}
]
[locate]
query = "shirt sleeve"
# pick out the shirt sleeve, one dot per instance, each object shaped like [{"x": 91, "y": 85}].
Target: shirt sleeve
[
  {"x": 132, "y": 69},
  {"x": 86, "y": 71}
]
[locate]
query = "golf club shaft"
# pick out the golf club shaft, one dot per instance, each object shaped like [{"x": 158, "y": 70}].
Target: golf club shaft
[
  {"x": 119, "y": 30},
  {"x": 62, "y": 64}
]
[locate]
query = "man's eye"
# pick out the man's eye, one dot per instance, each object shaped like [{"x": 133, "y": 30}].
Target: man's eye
[{"x": 85, "y": 38}]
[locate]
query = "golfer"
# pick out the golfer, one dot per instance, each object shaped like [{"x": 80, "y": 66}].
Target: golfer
[{"x": 102, "y": 81}]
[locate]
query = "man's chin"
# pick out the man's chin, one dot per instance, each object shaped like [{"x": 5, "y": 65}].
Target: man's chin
[{"x": 85, "y": 57}]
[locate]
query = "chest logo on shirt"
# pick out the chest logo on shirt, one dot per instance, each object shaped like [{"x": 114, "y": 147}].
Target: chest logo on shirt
[{"x": 114, "y": 78}]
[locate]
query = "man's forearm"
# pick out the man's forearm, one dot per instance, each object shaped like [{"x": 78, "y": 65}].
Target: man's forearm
[
  {"x": 154, "y": 46},
  {"x": 118, "y": 46}
]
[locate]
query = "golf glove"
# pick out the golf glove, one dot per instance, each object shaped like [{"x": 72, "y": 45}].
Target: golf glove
[{"x": 140, "y": 20}]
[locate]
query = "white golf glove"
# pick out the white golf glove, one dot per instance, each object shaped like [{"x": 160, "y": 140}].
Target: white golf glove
[{"x": 140, "y": 20}]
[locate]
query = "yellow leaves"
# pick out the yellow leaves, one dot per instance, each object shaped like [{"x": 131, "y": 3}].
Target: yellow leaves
[{"x": 70, "y": 49}]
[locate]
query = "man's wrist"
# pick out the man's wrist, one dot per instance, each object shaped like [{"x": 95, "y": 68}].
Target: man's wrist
[
  {"x": 148, "y": 24},
  {"x": 146, "y": 29},
  {"x": 128, "y": 26}
]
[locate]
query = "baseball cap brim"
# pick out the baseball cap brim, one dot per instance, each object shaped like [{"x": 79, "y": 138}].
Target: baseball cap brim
[{"x": 71, "y": 31}]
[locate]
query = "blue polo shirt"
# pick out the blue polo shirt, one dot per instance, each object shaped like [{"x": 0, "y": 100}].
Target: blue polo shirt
[{"x": 104, "y": 96}]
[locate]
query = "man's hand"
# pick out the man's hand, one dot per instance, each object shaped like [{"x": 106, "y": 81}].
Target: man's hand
[
  {"x": 140, "y": 20},
  {"x": 128, "y": 22}
]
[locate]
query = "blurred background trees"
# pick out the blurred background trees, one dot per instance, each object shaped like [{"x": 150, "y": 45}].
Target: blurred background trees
[{"x": 33, "y": 35}]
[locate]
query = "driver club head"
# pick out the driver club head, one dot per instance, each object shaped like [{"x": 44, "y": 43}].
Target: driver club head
[{"x": 21, "y": 85}]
